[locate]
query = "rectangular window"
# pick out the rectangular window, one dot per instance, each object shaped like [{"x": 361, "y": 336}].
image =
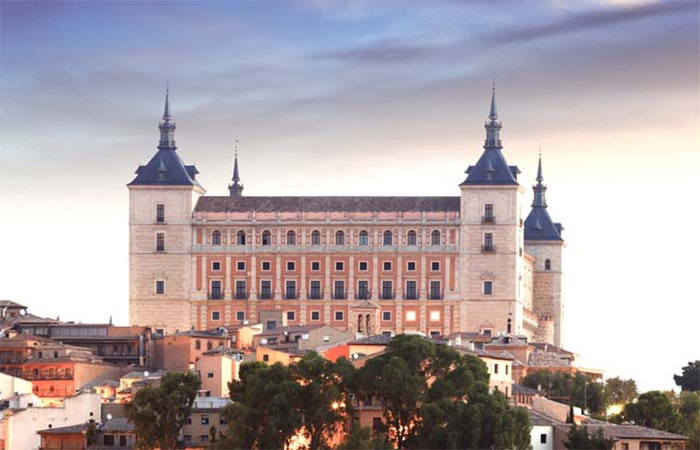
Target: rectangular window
[
  {"x": 339, "y": 266},
  {"x": 160, "y": 287},
  {"x": 265, "y": 289},
  {"x": 488, "y": 213},
  {"x": 488, "y": 287},
  {"x": 122, "y": 440},
  {"x": 363, "y": 290},
  {"x": 339, "y": 289},
  {"x": 386, "y": 333},
  {"x": 241, "y": 291},
  {"x": 315, "y": 315},
  {"x": 386, "y": 266},
  {"x": 266, "y": 358},
  {"x": 506, "y": 369},
  {"x": 265, "y": 266},
  {"x": 315, "y": 291},
  {"x": 240, "y": 266},
  {"x": 488, "y": 242},
  {"x": 291, "y": 266},
  {"x": 543, "y": 439},
  {"x": 411, "y": 266},
  {"x": 435, "y": 266},
  {"x": 215, "y": 293},
  {"x": 387, "y": 290},
  {"x": 270, "y": 325},
  {"x": 411, "y": 293},
  {"x": 160, "y": 242},
  {"x": 362, "y": 266},
  {"x": 435, "y": 291},
  {"x": 435, "y": 316},
  {"x": 205, "y": 419},
  {"x": 216, "y": 266},
  {"x": 386, "y": 316},
  {"x": 290, "y": 289},
  {"x": 215, "y": 315},
  {"x": 291, "y": 315},
  {"x": 410, "y": 316},
  {"x": 315, "y": 266},
  {"x": 160, "y": 213},
  {"x": 495, "y": 368},
  {"x": 210, "y": 374},
  {"x": 339, "y": 316},
  {"x": 240, "y": 316}
]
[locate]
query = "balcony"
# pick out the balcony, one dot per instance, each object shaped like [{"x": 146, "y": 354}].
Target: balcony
[
  {"x": 340, "y": 295},
  {"x": 265, "y": 295},
  {"x": 436, "y": 295},
  {"x": 241, "y": 295},
  {"x": 388, "y": 295},
  {"x": 488, "y": 219},
  {"x": 410, "y": 295},
  {"x": 315, "y": 295},
  {"x": 363, "y": 295},
  {"x": 214, "y": 295},
  {"x": 291, "y": 295},
  {"x": 488, "y": 248}
]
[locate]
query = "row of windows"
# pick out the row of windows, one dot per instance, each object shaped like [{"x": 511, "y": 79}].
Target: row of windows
[
  {"x": 410, "y": 316},
  {"x": 387, "y": 237},
  {"x": 362, "y": 266}
]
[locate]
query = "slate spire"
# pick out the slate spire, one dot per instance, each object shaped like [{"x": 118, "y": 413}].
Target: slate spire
[
  {"x": 539, "y": 188},
  {"x": 235, "y": 189},
  {"x": 493, "y": 126},
  {"x": 539, "y": 225},
  {"x": 167, "y": 128}
]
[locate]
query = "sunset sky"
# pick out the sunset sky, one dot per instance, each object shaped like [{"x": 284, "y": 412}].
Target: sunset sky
[{"x": 366, "y": 98}]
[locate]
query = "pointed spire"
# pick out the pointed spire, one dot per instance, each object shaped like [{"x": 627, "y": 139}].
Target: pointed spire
[
  {"x": 235, "y": 189},
  {"x": 493, "y": 126},
  {"x": 539, "y": 188},
  {"x": 166, "y": 112},
  {"x": 539, "y": 178},
  {"x": 167, "y": 128},
  {"x": 493, "y": 114}
]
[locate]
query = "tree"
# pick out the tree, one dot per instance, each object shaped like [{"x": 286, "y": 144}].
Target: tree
[
  {"x": 579, "y": 438},
  {"x": 654, "y": 410},
  {"x": 579, "y": 389},
  {"x": 689, "y": 380},
  {"x": 361, "y": 438},
  {"x": 618, "y": 391},
  {"x": 689, "y": 409},
  {"x": 159, "y": 412}
]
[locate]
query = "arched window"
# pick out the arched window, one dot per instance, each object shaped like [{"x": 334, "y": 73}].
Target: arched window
[
  {"x": 291, "y": 237},
  {"x": 359, "y": 323},
  {"x": 411, "y": 238},
  {"x": 364, "y": 238},
  {"x": 216, "y": 237},
  {"x": 240, "y": 237},
  {"x": 547, "y": 264},
  {"x": 339, "y": 237},
  {"x": 266, "y": 238},
  {"x": 315, "y": 237},
  {"x": 387, "y": 238},
  {"x": 435, "y": 237}
]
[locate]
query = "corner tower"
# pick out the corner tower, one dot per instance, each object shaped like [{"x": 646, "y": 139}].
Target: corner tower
[
  {"x": 491, "y": 241},
  {"x": 544, "y": 242},
  {"x": 160, "y": 235}
]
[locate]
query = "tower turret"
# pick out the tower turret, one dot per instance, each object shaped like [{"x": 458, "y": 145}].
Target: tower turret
[
  {"x": 167, "y": 128},
  {"x": 235, "y": 189}
]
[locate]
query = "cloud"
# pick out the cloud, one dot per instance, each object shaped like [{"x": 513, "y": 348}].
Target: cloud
[{"x": 382, "y": 52}]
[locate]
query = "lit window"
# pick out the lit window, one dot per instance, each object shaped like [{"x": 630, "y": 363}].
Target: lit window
[
  {"x": 435, "y": 316},
  {"x": 410, "y": 316},
  {"x": 411, "y": 238},
  {"x": 216, "y": 237},
  {"x": 364, "y": 238}
]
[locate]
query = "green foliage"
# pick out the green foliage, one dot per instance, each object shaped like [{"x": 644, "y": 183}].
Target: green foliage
[
  {"x": 579, "y": 438},
  {"x": 689, "y": 380},
  {"x": 618, "y": 391},
  {"x": 91, "y": 433},
  {"x": 689, "y": 409},
  {"x": 654, "y": 409},
  {"x": 158, "y": 413},
  {"x": 362, "y": 439},
  {"x": 578, "y": 389}
]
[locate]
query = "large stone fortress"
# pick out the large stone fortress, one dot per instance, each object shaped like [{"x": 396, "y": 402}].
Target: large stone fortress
[{"x": 436, "y": 265}]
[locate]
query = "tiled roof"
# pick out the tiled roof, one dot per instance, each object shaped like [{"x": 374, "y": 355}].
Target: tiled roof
[
  {"x": 486, "y": 354},
  {"x": 117, "y": 424},
  {"x": 70, "y": 429},
  {"x": 545, "y": 347},
  {"x": 614, "y": 431},
  {"x": 165, "y": 169},
  {"x": 290, "y": 330},
  {"x": 520, "y": 389},
  {"x": 10, "y": 304},
  {"x": 375, "y": 339},
  {"x": 540, "y": 227},
  {"x": 507, "y": 340},
  {"x": 547, "y": 359},
  {"x": 318, "y": 204}
]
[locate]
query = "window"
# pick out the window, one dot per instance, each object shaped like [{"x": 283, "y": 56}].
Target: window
[
  {"x": 435, "y": 237},
  {"x": 209, "y": 345},
  {"x": 488, "y": 242},
  {"x": 495, "y": 368},
  {"x": 266, "y": 238},
  {"x": 108, "y": 440},
  {"x": 411, "y": 293},
  {"x": 376, "y": 423},
  {"x": 197, "y": 345},
  {"x": 204, "y": 437},
  {"x": 315, "y": 266},
  {"x": 241, "y": 291},
  {"x": 265, "y": 266},
  {"x": 386, "y": 266},
  {"x": 240, "y": 237},
  {"x": 290, "y": 289},
  {"x": 315, "y": 237},
  {"x": 339, "y": 289},
  {"x": 364, "y": 238},
  {"x": 506, "y": 369},
  {"x": 362, "y": 266},
  {"x": 410, "y": 316},
  {"x": 435, "y": 293},
  {"x": 315, "y": 315},
  {"x": 160, "y": 213},
  {"x": 488, "y": 287},
  {"x": 122, "y": 440},
  {"x": 339, "y": 238},
  {"x": 216, "y": 237},
  {"x": 215, "y": 293},
  {"x": 291, "y": 315},
  {"x": 386, "y": 316},
  {"x": 266, "y": 357},
  {"x": 291, "y": 266},
  {"x": 215, "y": 315},
  {"x": 387, "y": 238},
  {"x": 387, "y": 291},
  {"x": 240, "y": 266},
  {"x": 435, "y": 316},
  {"x": 339, "y": 316},
  {"x": 265, "y": 289},
  {"x": 488, "y": 213},
  {"x": 435, "y": 266},
  {"x": 339, "y": 266},
  {"x": 315, "y": 291},
  {"x": 160, "y": 242},
  {"x": 291, "y": 237},
  {"x": 543, "y": 438},
  {"x": 222, "y": 420},
  {"x": 547, "y": 264},
  {"x": 411, "y": 238},
  {"x": 411, "y": 266},
  {"x": 363, "y": 290},
  {"x": 216, "y": 266},
  {"x": 160, "y": 287},
  {"x": 240, "y": 315}
]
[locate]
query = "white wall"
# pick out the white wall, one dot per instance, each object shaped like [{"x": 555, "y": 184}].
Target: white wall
[
  {"x": 10, "y": 386},
  {"x": 536, "y": 434}
]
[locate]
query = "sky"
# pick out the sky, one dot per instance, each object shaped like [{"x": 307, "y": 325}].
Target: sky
[{"x": 365, "y": 98}]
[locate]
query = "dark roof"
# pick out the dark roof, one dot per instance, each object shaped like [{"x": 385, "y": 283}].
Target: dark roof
[
  {"x": 520, "y": 389},
  {"x": 290, "y": 330},
  {"x": 540, "y": 227},
  {"x": 375, "y": 339},
  {"x": 165, "y": 169},
  {"x": 546, "y": 347},
  {"x": 317, "y": 204},
  {"x": 11, "y": 304},
  {"x": 71, "y": 429},
  {"x": 117, "y": 424},
  {"x": 486, "y": 354},
  {"x": 491, "y": 169},
  {"x": 614, "y": 431}
]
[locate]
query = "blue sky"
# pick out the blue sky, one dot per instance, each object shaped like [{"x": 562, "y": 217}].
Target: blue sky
[{"x": 370, "y": 98}]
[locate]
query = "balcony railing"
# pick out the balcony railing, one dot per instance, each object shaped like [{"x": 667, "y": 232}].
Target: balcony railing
[
  {"x": 386, "y": 295},
  {"x": 215, "y": 295},
  {"x": 410, "y": 296},
  {"x": 291, "y": 295},
  {"x": 340, "y": 295},
  {"x": 241, "y": 295},
  {"x": 265, "y": 295},
  {"x": 315, "y": 295},
  {"x": 488, "y": 248},
  {"x": 363, "y": 295},
  {"x": 488, "y": 219},
  {"x": 436, "y": 295}
]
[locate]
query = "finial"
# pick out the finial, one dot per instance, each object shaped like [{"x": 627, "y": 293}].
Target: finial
[
  {"x": 540, "y": 178},
  {"x": 493, "y": 114},
  {"x": 235, "y": 188}
]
